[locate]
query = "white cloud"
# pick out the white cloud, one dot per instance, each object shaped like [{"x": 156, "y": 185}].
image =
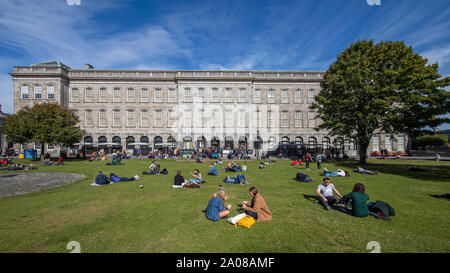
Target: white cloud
[{"x": 441, "y": 55}]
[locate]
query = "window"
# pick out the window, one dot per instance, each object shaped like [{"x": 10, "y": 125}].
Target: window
[
  {"x": 228, "y": 115},
  {"x": 88, "y": 95},
  {"x": 24, "y": 92},
  {"x": 50, "y": 92},
  {"x": 228, "y": 95},
  {"x": 102, "y": 121},
  {"x": 215, "y": 95},
  {"x": 215, "y": 119},
  {"x": 201, "y": 118},
  {"x": 258, "y": 119},
  {"x": 116, "y": 94},
  {"x": 157, "y": 95},
  {"x": 298, "y": 121},
  {"x": 257, "y": 96},
  {"x": 144, "y": 95},
  {"x": 144, "y": 117},
  {"x": 75, "y": 95},
  {"x": 242, "y": 95},
  {"x": 375, "y": 144},
  {"x": 116, "y": 118},
  {"x": 401, "y": 144},
  {"x": 311, "y": 119},
  {"x": 88, "y": 119},
  {"x": 388, "y": 143},
  {"x": 172, "y": 118},
  {"x": 37, "y": 92},
  {"x": 311, "y": 95},
  {"x": 50, "y": 146},
  {"x": 284, "y": 119},
  {"x": 298, "y": 96},
  {"x": 187, "y": 95},
  {"x": 130, "y": 95},
  {"x": 243, "y": 119},
  {"x": 130, "y": 118},
  {"x": 187, "y": 119},
  {"x": 158, "y": 118},
  {"x": 172, "y": 97},
  {"x": 201, "y": 94},
  {"x": 270, "y": 119},
  {"x": 271, "y": 96},
  {"x": 284, "y": 96},
  {"x": 102, "y": 94}
]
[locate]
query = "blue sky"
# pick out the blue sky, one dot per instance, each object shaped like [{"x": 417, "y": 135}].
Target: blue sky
[{"x": 241, "y": 34}]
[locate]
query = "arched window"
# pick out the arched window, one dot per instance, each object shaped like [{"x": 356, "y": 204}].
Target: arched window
[
  {"x": 242, "y": 142},
  {"x": 229, "y": 143},
  {"x": 201, "y": 142},
  {"x": 157, "y": 142},
  {"x": 257, "y": 143},
  {"x": 102, "y": 142},
  {"x": 172, "y": 142},
  {"x": 312, "y": 141},
  {"x": 117, "y": 142},
  {"x": 215, "y": 142},
  {"x": 272, "y": 142},
  {"x": 285, "y": 140},
  {"x": 326, "y": 142},
  {"x": 339, "y": 143},
  {"x": 298, "y": 140},
  {"x": 144, "y": 139},
  {"x": 187, "y": 142},
  {"x": 130, "y": 142}
]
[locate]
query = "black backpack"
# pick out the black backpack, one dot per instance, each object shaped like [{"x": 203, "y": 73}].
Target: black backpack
[{"x": 301, "y": 177}]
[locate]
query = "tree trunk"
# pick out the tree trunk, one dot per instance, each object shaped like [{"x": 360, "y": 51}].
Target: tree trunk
[
  {"x": 363, "y": 151},
  {"x": 42, "y": 150}
]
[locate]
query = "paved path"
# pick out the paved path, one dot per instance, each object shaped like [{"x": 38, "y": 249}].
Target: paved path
[{"x": 26, "y": 182}]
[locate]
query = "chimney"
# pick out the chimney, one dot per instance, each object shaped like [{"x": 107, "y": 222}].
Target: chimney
[{"x": 88, "y": 66}]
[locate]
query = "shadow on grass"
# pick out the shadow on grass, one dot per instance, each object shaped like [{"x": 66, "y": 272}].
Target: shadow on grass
[
  {"x": 310, "y": 197},
  {"x": 442, "y": 196},
  {"x": 433, "y": 173}
]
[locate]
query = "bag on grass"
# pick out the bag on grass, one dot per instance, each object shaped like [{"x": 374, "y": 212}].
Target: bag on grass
[
  {"x": 301, "y": 177},
  {"x": 246, "y": 222},
  {"x": 235, "y": 219}
]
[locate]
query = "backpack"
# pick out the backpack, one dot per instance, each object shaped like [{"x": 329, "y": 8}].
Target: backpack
[
  {"x": 246, "y": 222},
  {"x": 303, "y": 178}
]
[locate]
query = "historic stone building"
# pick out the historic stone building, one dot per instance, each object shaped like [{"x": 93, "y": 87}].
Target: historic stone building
[{"x": 129, "y": 109}]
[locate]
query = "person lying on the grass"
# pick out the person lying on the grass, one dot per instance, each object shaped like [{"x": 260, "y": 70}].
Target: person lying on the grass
[
  {"x": 239, "y": 179},
  {"x": 213, "y": 170},
  {"x": 114, "y": 178},
  {"x": 325, "y": 193},
  {"x": 297, "y": 162},
  {"x": 231, "y": 166},
  {"x": 179, "y": 182},
  {"x": 216, "y": 208},
  {"x": 339, "y": 172},
  {"x": 362, "y": 171},
  {"x": 257, "y": 208},
  {"x": 100, "y": 180},
  {"x": 196, "y": 177},
  {"x": 358, "y": 199}
]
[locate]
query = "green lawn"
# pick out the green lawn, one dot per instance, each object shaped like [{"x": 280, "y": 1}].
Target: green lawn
[{"x": 124, "y": 218}]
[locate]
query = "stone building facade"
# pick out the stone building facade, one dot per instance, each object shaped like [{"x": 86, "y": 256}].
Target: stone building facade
[{"x": 125, "y": 109}]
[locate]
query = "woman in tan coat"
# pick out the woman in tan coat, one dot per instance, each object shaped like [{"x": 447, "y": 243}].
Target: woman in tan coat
[{"x": 258, "y": 208}]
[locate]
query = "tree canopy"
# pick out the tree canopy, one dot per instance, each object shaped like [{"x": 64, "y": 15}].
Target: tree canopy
[
  {"x": 383, "y": 87},
  {"x": 44, "y": 123}
]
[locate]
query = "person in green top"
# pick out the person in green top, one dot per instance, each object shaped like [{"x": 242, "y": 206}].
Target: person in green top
[{"x": 358, "y": 201}]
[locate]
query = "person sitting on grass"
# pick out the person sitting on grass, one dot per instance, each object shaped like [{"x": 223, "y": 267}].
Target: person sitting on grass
[
  {"x": 216, "y": 208},
  {"x": 213, "y": 170},
  {"x": 60, "y": 161},
  {"x": 152, "y": 167},
  {"x": 100, "y": 180},
  {"x": 114, "y": 178},
  {"x": 297, "y": 162},
  {"x": 231, "y": 167},
  {"x": 179, "y": 182},
  {"x": 325, "y": 193},
  {"x": 47, "y": 162},
  {"x": 362, "y": 171},
  {"x": 196, "y": 177},
  {"x": 358, "y": 199},
  {"x": 257, "y": 208},
  {"x": 339, "y": 172}
]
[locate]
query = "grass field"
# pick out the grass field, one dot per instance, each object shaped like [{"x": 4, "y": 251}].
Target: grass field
[{"x": 124, "y": 218}]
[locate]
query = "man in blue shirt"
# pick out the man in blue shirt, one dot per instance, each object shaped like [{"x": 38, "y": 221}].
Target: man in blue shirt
[{"x": 213, "y": 170}]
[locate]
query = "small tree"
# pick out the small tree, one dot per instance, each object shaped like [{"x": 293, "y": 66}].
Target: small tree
[
  {"x": 44, "y": 123},
  {"x": 380, "y": 87}
]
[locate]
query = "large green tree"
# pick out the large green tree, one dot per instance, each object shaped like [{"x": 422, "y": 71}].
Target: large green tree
[
  {"x": 382, "y": 87},
  {"x": 44, "y": 123}
]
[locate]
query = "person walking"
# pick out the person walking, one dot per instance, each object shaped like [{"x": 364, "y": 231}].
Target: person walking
[
  {"x": 307, "y": 159},
  {"x": 319, "y": 161}
]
